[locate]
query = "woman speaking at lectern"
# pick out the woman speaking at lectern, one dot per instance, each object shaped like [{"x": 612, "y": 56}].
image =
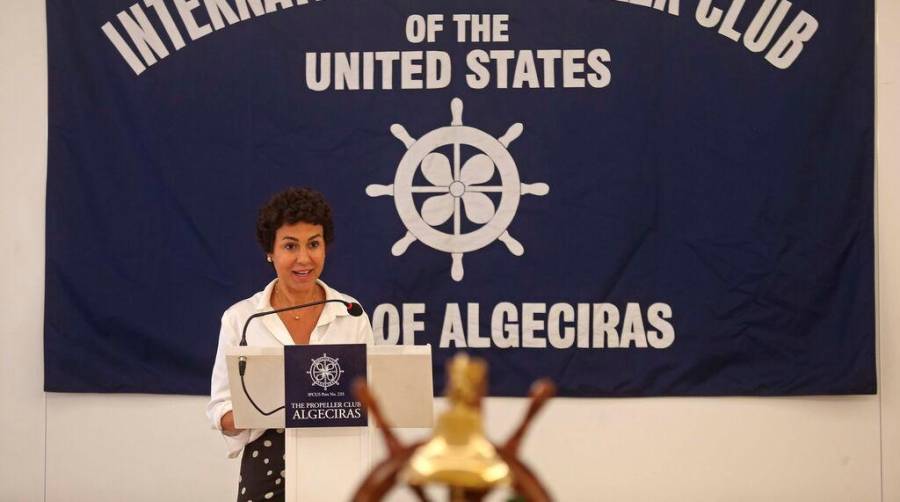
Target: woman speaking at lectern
[{"x": 294, "y": 229}]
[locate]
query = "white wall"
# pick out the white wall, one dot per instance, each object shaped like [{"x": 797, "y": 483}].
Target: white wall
[
  {"x": 23, "y": 169},
  {"x": 61, "y": 447},
  {"x": 887, "y": 218}
]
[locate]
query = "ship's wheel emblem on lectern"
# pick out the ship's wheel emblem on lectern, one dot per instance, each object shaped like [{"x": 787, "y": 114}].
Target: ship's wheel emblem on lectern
[
  {"x": 325, "y": 371},
  {"x": 464, "y": 170}
]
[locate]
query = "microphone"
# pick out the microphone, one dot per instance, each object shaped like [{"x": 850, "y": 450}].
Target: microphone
[{"x": 353, "y": 308}]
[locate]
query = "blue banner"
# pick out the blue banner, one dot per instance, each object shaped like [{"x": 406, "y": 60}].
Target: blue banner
[{"x": 633, "y": 198}]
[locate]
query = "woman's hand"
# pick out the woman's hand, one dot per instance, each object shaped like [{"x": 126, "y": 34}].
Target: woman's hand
[{"x": 228, "y": 424}]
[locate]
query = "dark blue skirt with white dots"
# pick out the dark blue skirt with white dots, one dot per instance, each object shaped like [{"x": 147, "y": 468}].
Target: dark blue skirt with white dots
[{"x": 262, "y": 469}]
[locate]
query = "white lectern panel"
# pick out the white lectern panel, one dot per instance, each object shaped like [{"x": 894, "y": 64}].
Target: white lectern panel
[
  {"x": 400, "y": 379},
  {"x": 264, "y": 378}
]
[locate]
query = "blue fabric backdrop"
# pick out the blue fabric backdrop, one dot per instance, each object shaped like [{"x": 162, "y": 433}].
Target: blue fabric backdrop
[{"x": 681, "y": 213}]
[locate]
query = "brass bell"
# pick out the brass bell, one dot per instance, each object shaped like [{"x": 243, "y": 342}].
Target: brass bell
[{"x": 459, "y": 454}]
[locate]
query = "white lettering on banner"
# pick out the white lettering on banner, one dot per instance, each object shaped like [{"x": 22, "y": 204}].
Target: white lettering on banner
[
  {"x": 437, "y": 70},
  {"x": 532, "y": 326},
  {"x": 411, "y": 325},
  {"x": 168, "y": 23},
  {"x": 185, "y": 9},
  {"x": 657, "y": 315},
  {"x": 504, "y": 334},
  {"x": 583, "y": 326},
  {"x": 762, "y": 28},
  {"x": 560, "y": 338},
  {"x": 571, "y": 64},
  {"x": 452, "y": 331},
  {"x": 386, "y": 324},
  {"x": 475, "y": 341},
  {"x": 562, "y": 326},
  {"x": 423, "y": 28},
  {"x": 578, "y": 68},
  {"x": 145, "y": 37},
  {"x": 386, "y": 59},
  {"x": 405, "y": 65},
  {"x": 346, "y": 71},
  {"x": 410, "y": 67},
  {"x": 122, "y": 46},
  {"x": 788, "y": 47},
  {"x": 481, "y": 27},
  {"x": 606, "y": 319},
  {"x": 633, "y": 328},
  {"x": 601, "y": 75}
]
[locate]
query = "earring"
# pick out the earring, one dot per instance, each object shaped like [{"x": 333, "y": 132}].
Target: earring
[{"x": 269, "y": 259}]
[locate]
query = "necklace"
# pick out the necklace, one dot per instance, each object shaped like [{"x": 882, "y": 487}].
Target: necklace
[{"x": 296, "y": 314}]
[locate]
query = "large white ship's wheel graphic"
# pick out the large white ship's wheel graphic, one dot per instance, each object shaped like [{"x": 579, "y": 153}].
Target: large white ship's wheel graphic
[
  {"x": 325, "y": 371},
  {"x": 459, "y": 189}
]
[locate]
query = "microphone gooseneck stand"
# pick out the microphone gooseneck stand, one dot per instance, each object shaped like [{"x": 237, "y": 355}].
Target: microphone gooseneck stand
[{"x": 353, "y": 308}]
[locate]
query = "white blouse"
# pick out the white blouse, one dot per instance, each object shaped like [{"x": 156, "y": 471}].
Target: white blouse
[{"x": 335, "y": 326}]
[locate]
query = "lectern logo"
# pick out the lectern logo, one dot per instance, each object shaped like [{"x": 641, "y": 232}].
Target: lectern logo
[
  {"x": 460, "y": 188},
  {"x": 325, "y": 371}
]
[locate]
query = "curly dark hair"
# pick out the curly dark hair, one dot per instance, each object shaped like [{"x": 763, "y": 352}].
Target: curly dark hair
[{"x": 289, "y": 207}]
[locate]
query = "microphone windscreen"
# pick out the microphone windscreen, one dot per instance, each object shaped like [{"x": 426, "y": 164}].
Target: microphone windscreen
[{"x": 354, "y": 309}]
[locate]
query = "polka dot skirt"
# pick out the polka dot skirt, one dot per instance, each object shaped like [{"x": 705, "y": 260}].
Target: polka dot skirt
[{"x": 262, "y": 469}]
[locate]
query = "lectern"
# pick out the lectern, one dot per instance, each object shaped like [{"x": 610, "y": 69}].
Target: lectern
[{"x": 327, "y": 463}]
